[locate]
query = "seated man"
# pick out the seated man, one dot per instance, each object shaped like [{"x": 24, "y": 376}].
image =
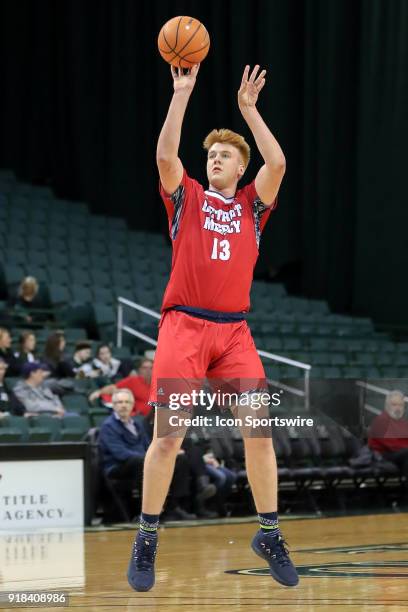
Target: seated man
[
  {"x": 123, "y": 443},
  {"x": 139, "y": 385},
  {"x": 9, "y": 403},
  {"x": 34, "y": 395},
  {"x": 388, "y": 433}
]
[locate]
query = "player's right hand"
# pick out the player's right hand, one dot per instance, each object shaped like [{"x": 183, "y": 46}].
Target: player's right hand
[{"x": 184, "y": 82}]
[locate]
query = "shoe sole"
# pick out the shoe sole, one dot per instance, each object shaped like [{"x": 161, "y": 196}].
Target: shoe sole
[{"x": 272, "y": 573}]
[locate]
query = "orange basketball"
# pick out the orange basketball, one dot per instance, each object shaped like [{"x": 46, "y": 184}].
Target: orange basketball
[{"x": 183, "y": 41}]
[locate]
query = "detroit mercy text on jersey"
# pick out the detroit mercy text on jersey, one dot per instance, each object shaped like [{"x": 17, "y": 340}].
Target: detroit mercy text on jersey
[{"x": 215, "y": 246}]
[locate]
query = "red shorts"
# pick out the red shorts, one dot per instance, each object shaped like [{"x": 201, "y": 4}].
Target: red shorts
[{"x": 191, "y": 349}]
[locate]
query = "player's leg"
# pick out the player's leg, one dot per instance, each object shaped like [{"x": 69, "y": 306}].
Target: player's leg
[
  {"x": 241, "y": 363},
  {"x": 159, "y": 467},
  {"x": 262, "y": 474},
  {"x": 176, "y": 365},
  {"x": 264, "y": 482},
  {"x": 157, "y": 475}
]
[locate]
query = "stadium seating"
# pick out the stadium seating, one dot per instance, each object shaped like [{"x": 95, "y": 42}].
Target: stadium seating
[{"x": 85, "y": 261}]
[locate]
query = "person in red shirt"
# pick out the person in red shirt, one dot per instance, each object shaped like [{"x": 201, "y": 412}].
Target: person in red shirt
[
  {"x": 138, "y": 384},
  {"x": 388, "y": 433},
  {"x": 203, "y": 333}
]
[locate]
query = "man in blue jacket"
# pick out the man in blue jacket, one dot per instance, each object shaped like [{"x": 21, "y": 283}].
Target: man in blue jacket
[
  {"x": 122, "y": 440},
  {"x": 123, "y": 443}
]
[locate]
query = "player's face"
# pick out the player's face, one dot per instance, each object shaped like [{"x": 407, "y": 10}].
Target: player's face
[{"x": 224, "y": 166}]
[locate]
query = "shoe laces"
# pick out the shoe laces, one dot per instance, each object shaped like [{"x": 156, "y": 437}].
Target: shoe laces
[
  {"x": 144, "y": 553},
  {"x": 276, "y": 550}
]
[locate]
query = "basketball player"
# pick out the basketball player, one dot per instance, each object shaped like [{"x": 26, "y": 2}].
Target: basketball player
[{"x": 203, "y": 332}]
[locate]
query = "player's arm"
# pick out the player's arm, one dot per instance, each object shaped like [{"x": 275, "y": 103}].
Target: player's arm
[
  {"x": 269, "y": 177},
  {"x": 168, "y": 161}
]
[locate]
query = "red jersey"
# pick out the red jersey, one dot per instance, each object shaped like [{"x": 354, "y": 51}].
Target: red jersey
[{"x": 215, "y": 246}]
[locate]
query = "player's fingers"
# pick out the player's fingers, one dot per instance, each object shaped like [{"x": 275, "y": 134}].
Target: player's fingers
[
  {"x": 259, "y": 87},
  {"x": 260, "y": 77},
  {"x": 173, "y": 71},
  {"x": 194, "y": 69},
  {"x": 245, "y": 75},
  {"x": 254, "y": 73}
]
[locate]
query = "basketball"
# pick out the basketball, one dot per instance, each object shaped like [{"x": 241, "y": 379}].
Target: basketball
[{"x": 183, "y": 42}]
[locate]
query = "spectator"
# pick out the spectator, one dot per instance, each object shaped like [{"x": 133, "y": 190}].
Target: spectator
[
  {"x": 9, "y": 403},
  {"x": 54, "y": 353},
  {"x": 36, "y": 397},
  {"x": 139, "y": 385},
  {"x": 26, "y": 352},
  {"x": 7, "y": 354},
  {"x": 223, "y": 478},
  {"x": 123, "y": 444},
  {"x": 80, "y": 364},
  {"x": 28, "y": 300},
  {"x": 104, "y": 362},
  {"x": 388, "y": 433}
]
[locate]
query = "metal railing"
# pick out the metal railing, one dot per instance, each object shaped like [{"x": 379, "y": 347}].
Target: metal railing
[{"x": 122, "y": 327}]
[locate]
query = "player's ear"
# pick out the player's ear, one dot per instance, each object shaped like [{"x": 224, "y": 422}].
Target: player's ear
[{"x": 241, "y": 170}]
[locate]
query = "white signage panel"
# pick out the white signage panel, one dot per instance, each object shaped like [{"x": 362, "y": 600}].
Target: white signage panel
[{"x": 41, "y": 493}]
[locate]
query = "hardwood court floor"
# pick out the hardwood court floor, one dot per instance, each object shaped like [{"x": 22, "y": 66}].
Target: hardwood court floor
[{"x": 351, "y": 563}]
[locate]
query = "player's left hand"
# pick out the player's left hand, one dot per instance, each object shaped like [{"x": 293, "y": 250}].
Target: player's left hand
[{"x": 250, "y": 87}]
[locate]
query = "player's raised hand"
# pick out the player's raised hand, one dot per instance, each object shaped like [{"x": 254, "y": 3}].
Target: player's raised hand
[
  {"x": 184, "y": 81},
  {"x": 250, "y": 87}
]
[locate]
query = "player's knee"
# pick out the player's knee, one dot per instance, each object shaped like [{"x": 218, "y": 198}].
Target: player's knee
[
  {"x": 167, "y": 446},
  {"x": 258, "y": 445}
]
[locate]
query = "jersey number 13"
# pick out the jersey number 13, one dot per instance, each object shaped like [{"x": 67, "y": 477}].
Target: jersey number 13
[{"x": 221, "y": 249}]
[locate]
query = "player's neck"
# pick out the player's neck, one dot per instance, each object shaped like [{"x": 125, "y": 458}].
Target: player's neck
[{"x": 228, "y": 192}]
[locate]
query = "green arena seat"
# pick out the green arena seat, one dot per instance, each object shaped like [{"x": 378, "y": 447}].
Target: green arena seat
[
  {"x": 80, "y": 262},
  {"x": 74, "y": 428},
  {"x": 59, "y": 294},
  {"x": 44, "y": 423},
  {"x": 58, "y": 276},
  {"x": 81, "y": 294},
  {"x": 100, "y": 278},
  {"x": 75, "y": 402},
  {"x": 338, "y": 359},
  {"x": 80, "y": 277},
  {"x": 103, "y": 295},
  {"x": 37, "y": 258},
  {"x": 13, "y": 274},
  {"x": 353, "y": 372},
  {"x": 14, "y": 241},
  {"x": 19, "y": 423},
  {"x": 10, "y": 435}
]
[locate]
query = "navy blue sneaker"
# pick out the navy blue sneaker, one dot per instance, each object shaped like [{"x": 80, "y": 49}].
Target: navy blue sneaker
[
  {"x": 272, "y": 549},
  {"x": 141, "y": 565}
]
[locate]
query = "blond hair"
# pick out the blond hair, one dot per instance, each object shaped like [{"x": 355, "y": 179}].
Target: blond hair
[
  {"x": 28, "y": 283},
  {"x": 232, "y": 138}
]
